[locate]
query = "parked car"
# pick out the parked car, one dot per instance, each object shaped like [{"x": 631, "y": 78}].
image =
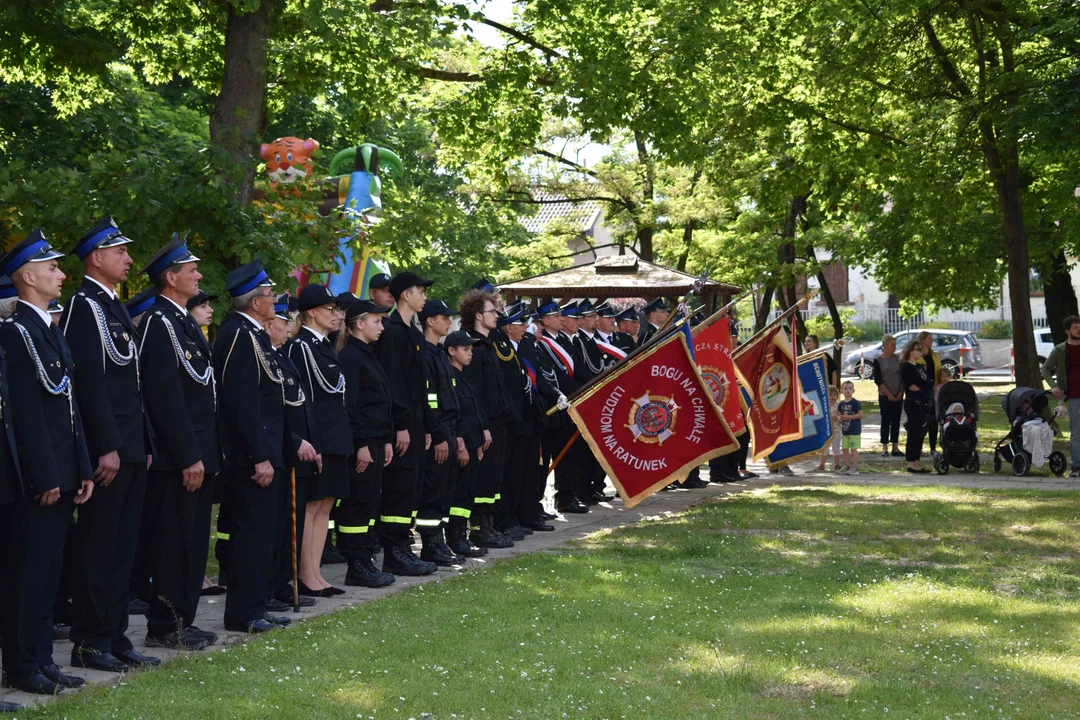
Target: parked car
[
  {"x": 947, "y": 344},
  {"x": 1044, "y": 343}
]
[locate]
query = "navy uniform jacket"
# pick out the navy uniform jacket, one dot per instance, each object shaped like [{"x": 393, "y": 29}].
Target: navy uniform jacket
[
  {"x": 109, "y": 393},
  {"x": 551, "y": 378},
  {"x": 514, "y": 381},
  {"x": 473, "y": 419},
  {"x": 442, "y": 395},
  {"x": 623, "y": 341},
  {"x": 312, "y": 357},
  {"x": 299, "y": 413},
  {"x": 48, "y": 429},
  {"x": 251, "y": 405},
  {"x": 487, "y": 378},
  {"x": 181, "y": 409},
  {"x": 11, "y": 487},
  {"x": 647, "y": 334},
  {"x": 400, "y": 352},
  {"x": 367, "y": 395},
  {"x": 592, "y": 357}
]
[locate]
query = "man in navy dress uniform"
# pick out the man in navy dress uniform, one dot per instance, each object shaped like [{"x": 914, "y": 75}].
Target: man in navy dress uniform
[
  {"x": 656, "y": 314},
  {"x": 11, "y": 488},
  {"x": 174, "y": 358},
  {"x": 55, "y": 467},
  {"x": 102, "y": 339}
]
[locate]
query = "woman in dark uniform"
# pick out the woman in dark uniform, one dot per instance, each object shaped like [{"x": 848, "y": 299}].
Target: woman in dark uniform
[
  {"x": 367, "y": 397},
  {"x": 320, "y": 375}
]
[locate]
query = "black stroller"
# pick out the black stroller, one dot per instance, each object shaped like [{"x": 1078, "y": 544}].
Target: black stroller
[
  {"x": 957, "y": 414},
  {"x": 1029, "y": 404}
]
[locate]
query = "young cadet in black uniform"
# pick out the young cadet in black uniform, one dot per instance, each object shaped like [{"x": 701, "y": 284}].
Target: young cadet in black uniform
[
  {"x": 439, "y": 463},
  {"x": 475, "y": 435},
  {"x": 379, "y": 291},
  {"x": 479, "y": 318},
  {"x": 556, "y": 365},
  {"x": 55, "y": 466},
  {"x": 175, "y": 361},
  {"x": 102, "y": 339},
  {"x": 255, "y": 443},
  {"x": 656, "y": 314},
  {"x": 300, "y": 416},
  {"x": 400, "y": 350},
  {"x": 628, "y": 325},
  {"x": 314, "y": 356},
  {"x": 368, "y": 402},
  {"x": 11, "y": 490}
]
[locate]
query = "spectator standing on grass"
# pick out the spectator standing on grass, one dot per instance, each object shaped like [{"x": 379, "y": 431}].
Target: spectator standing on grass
[
  {"x": 812, "y": 344},
  {"x": 851, "y": 415},
  {"x": 833, "y": 446},
  {"x": 1062, "y": 371},
  {"x": 932, "y": 363},
  {"x": 890, "y": 395},
  {"x": 918, "y": 402}
]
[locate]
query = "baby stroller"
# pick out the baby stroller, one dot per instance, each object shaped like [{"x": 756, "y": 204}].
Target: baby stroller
[
  {"x": 958, "y": 417},
  {"x": 1022, "y": 405}
]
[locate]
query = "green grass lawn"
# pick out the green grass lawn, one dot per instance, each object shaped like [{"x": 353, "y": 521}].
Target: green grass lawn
[{"x": 789, "y": 603}]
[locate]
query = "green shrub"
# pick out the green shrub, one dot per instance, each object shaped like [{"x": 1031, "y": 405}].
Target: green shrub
[
  {"x": 996, "y": 330},
  {"x": 822, "y": 325},
  {"x": 936, "y": 325},
  {"x": 867, "y": 331}
]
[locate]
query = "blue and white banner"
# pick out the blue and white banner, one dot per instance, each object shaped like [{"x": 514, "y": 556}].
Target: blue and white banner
[{"x": 817, "y": 424}]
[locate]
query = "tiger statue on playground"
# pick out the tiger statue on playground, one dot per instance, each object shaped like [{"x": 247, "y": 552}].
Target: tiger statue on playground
[{"x": 288, "y": 159}]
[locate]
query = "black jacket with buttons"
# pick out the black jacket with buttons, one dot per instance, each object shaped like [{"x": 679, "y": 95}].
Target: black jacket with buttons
[
  {"x": 314, "y": 358},
  {"x": 11, "y": 487},
  {"x": 298, "y": 413}
]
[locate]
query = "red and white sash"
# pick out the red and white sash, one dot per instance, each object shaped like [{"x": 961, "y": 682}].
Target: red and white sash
[
  {"x": 610, "y": 350},
  {"x": 560, "y": 354}
]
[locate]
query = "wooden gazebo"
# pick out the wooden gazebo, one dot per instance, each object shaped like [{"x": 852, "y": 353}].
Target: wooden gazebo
[{"x": 619, "y": 276}]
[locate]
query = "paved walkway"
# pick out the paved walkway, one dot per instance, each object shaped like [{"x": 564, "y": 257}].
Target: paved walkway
[{"x": 607, "y": 515}]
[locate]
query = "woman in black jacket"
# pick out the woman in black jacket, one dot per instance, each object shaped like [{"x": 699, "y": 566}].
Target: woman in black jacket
[
  {"x": 918, "y": 399},
  {"x": 320, "y": 374}
]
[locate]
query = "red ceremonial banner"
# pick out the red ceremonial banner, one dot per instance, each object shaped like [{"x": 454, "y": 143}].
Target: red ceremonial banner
[
  {"x": 652, "y": 421},
  {"x": 766, "y": 368},
  {"x": 712, "y": 350}
]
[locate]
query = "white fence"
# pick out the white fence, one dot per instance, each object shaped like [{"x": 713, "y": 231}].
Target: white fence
[{"x": 891, "y": 321}]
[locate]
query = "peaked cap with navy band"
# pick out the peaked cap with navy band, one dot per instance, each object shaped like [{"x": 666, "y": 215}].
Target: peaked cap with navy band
[
  {"x": 55, "y": 306},
  {"x": 512, "y": 314},
  {"x": 139, "y": 304},
  {"x": 605, "y": 310},
  {"x": 175, "y": 253},
  {"x": 7, "y": 288},
  {"x": 627, "y": 314},
  {"x": 547, "y": 308},
  {"x": 281, "y": 306},
  {"x": 483, "y": 284},
  {"x": 247, "y": 277},
  {"x": 33, "y": 249},
  {"x": 657, "y": 304},
  {"x": 570, "y": 309},
  {"x": 585, "y": 307},
  {"x": 103, "y": 235}
]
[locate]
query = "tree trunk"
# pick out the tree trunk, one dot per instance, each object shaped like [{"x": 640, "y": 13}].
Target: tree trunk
[
  {"x": 834, "y": 313},
  {"x": 761, "y": 313},
  {"x": 687, "y": 239},
  {"x": 1059, "y": 296},
  {"x": 786, "y": 257},
  {"x": 238, "y": 119},
  {"x": 645, "y": 228}
]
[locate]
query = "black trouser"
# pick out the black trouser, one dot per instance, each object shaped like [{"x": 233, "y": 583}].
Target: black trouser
[
  {"x": 437, "y": 491},
  {"x": 355, "y": 515},
  {"x": 916, "y": 428},
  {"x": 61, "y": 611},
  {"x": 146, "y": 550},
  {"x": 566, "y": 473},
  {"x": 181, "y": 542},
  {"x": 890, "y": 419},
  {"x": 223, "y": 539},
  {"x": 252, "y": 543},
  {"x": 465, "y": 490},
  {"x": 489, "y": 483},
  {"x": 931, "y": 431},
  {"x": 401, "y": 486},
  {"x": 521, "y": 504},
  {"x": 283, "y": 552},
  {"x": 33, "y": 539},
  {"x": 105, "y": 539}
]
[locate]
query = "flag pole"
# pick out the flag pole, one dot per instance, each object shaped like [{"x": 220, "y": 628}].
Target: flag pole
[
  {"x": 720, "y": 313},
  {"x": 783, "y": 316},
  {"x": 295, "y": 585}
]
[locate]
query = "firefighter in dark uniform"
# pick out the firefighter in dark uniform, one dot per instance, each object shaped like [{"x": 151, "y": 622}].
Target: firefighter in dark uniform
[
  {"x": 439, "y": 463},
  {"x": 523, "y": 488},
  {"x": 475, "y": 435},
  {"x": 256, "y": 443},
  {"x": 518, "y": 425},
  {"x": 605, "y": 328},
  {"x": 623, "y": 338},
  {"x": 656, "y": 314},
  {"x": 556, "y": 372},
  {"x": 379, "y": 291},
  {"x": 544, "y": 393},
  {"x": 591, "y": 490},
  {"x": 401, "y": 353},
  {"x": 174, "y": 358},
  {"x": 54, "y": 464},
  {"x": 479, "y": 317},
  {"x": 102, "y": 340},
  {"x": 368, "y": 401}
]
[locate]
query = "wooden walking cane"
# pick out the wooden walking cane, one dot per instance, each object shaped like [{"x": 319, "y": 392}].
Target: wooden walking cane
[{"x": 295, "y": 584}]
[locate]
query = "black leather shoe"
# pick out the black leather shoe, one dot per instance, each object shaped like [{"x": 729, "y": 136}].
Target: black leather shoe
[
  {"x": 332, "y": 591},
  {"x": 279, "y": 620},
  {"x": 400, "y": 561},
  {"x": 137, "y": 606},
  {"x": 61, "y": 632},
  {"x": 541, "y": 526},
  {"x": 286, "y": 597},
  {"x": 177, "y": 641},
  {"x": 305, "y": 591},
  {"x": 94, "y": 660},
  {"x": 365, "y": 574},
  {"x": 69, "y": 681},
  {"x": 587, "y": 500},
  {"x": 695, "y": 484},
  {"x": 136, "y": 659},
  {"x": 600, "y": 496},
  {"x": 9, "y": 707},
  {"x": 332, "y": 556},
  {"x": 572, "y": 507},
  {"x": 547, "y": 516},
  {"x": 275, "y": 605},
  {"x": 253, "y": 628},
  {"x": 35, "y": 683},
  {"x": 193, "y": 631}
]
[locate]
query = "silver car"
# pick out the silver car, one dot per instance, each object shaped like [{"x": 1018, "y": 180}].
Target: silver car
[{"x": 948, "y": 344}]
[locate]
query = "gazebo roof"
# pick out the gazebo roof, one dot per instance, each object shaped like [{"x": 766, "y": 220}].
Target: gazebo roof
[{"x": 614, "y": 276}]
